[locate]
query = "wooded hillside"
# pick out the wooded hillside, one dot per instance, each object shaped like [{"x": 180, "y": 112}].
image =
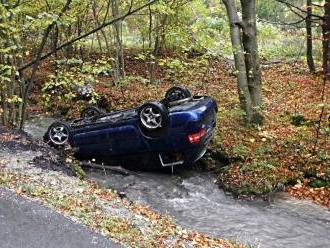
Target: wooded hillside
[{"x": 265, "y": 62}]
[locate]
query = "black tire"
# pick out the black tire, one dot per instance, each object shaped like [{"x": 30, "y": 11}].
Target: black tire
[
  {"x": 153, "y": 117},
  {"x": 177, "y": 95},
  {"x": 58, "y": 134},
  {"x": 89, "y": 112}
]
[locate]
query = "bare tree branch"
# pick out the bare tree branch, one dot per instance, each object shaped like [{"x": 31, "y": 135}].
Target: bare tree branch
[
  {"x": 37, "y": 60},
  {"x": 295, "y": 11},
  {"x": 292, "y": 6},
  {"x": 107, "y": 11},
  {"x": 103, "y": 25},
  {"x": 282, "y": 23},
  {"x": 318, "y": 5}
]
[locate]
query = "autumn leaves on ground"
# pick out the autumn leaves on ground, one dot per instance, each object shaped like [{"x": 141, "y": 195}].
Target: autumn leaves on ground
[{"x": 289, "y": 152}]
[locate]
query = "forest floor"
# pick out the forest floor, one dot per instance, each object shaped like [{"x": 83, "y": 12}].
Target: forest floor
[{"x": 289, "y": 152}]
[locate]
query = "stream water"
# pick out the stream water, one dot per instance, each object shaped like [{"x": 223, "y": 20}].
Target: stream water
[{"x": 194, "y": 201}]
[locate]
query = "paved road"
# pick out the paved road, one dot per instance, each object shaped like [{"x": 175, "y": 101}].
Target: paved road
[{"x": 27, "y": 224}]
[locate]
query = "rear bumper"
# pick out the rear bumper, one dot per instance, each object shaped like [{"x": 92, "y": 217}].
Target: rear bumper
[
  {"x": 192, "y": 156},
  {"x": 187, "y": 156}
]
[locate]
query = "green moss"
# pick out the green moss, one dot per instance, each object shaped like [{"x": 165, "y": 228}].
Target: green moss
[
  {"x": 78, "y": 170},
  {"x": 318, "y": 183},
  {"x": 298, "y": 120}
]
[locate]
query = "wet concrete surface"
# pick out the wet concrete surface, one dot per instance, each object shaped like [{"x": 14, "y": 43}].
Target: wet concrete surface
[{"x": 24, "y": 223}]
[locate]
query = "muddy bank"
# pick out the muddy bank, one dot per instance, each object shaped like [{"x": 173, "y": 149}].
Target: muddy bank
[{"x": 44, "y": 156}]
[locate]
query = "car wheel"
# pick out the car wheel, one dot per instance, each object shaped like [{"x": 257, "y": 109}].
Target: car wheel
[
  {"x": 57, "y": 134},
  {"x": 153, "y": 116},
  {"x": 90, "y": 112},
  {"x": 177, "y": 95}
]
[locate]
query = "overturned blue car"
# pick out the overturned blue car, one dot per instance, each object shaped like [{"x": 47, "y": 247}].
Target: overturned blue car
[{"x": 171, "y": 132}]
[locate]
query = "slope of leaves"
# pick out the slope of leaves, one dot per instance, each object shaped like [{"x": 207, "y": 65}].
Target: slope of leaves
[
  {"x": 290, "y": 149},
  {"x": 282, "y": 151}
]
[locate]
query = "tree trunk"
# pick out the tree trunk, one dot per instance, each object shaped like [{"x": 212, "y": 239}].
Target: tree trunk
[
  {"x": 309, "y": 37},
  {"x": 10, "y": 83},
  {"x": 160, "y": 34},
  {"x": 103, "y": 33},
  {"x": 14, "y": 89},
  {"x": 252, "y": 61},
  {"x": 69, "y": 48},
  {"x": 54, "y": 38},
  {"x": 246, "y": 58},
  {"x": 95, "y": 15},
  {"x": 326, "y": 40},
  {"x": 118, "y": 41},
  {"x": 27, "y": 87},
  {"x": 150, "y": 27}
]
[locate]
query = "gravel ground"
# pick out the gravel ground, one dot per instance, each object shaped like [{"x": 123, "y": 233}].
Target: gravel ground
[{"x": 43, "y": 175}]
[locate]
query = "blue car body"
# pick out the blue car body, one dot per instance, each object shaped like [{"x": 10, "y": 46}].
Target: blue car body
[{"x": 182, "y": 140}]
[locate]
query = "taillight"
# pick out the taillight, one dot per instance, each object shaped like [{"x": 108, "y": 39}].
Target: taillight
[{"x": 197, "y": 137}]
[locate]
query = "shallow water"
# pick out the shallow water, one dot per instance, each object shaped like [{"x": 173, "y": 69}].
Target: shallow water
[
  {"x": 194, "y": 201},
  {"x": 37, "y": 126}
]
